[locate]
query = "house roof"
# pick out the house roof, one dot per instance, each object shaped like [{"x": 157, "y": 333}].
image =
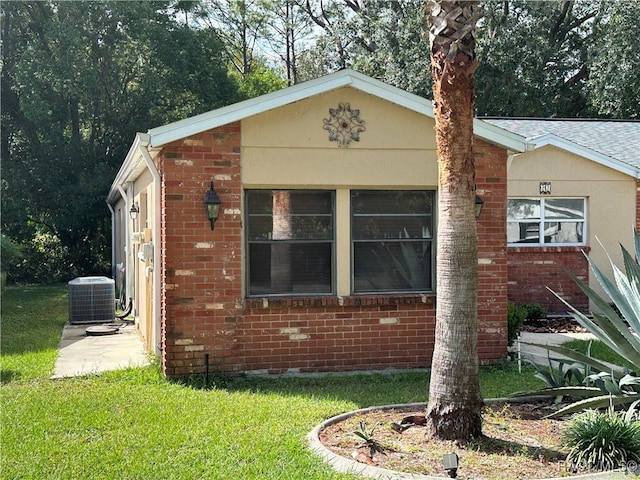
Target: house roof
[
  {"x": 614, "y": 143},
  {"x": 344, "y": 78}
]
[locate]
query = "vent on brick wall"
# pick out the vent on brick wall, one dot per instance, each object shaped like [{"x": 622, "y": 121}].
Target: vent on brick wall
[{"x": 91, "y": 300}]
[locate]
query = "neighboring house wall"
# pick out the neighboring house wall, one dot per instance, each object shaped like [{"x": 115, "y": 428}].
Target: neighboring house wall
[
  {"x": 534, "y": 268},
  {"x": 205, "y": 315}
]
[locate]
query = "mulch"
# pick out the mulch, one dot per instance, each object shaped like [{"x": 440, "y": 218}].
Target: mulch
[{"x": 553, "y": 325}]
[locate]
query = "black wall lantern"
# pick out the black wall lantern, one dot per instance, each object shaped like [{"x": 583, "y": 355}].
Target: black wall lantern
[
  {"x": 135, "y": 210},
  {"x": 212, "y": 204},
  {"x": 479, "y": 203}
]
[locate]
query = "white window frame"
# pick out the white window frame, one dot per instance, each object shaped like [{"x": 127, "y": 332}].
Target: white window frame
[{"x": 540, "y": 222}]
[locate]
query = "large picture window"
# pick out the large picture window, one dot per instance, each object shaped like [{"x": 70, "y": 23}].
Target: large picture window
[
  {"x": 392, "y": 240},
  {"x": 290, "y": 242},
  {"x": 546, "y": 221}
]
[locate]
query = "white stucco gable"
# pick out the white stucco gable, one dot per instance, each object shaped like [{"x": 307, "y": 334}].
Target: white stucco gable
[{"x": 344, "y": 78}]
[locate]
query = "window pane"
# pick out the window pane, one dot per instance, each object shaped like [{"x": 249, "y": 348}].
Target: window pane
[
  {"x": 309, "y": 203},
  {"x": 397, "y": 227},
  {"x": 522, "y": 232},
  {"x": 388, "y": 266},
  {"x": 563, "y": 232},
  {"x": 312, "y": 228},
  {"x": 290, "y": 268},
  {"x": 289, "y": 215},
  {"x": 391, "y": 202},
  {"x": 400, "y": 260},
  {"x": 259, "y": 202},
  {"x": 522, "y": 208},
  {"x": 564, "y": 208}
]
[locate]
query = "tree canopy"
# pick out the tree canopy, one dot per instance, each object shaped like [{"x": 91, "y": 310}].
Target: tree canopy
[
  {"x": 558, "y": 58},
  {"x": 79, "y": 79}
]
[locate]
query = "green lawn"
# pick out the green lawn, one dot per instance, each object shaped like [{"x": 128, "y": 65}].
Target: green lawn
[
  {"x": 133, "y": 424},
  {"x": 597, "y": 350}
]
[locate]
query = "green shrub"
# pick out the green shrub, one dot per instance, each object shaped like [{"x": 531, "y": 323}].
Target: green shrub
[
  {"x": 10, "y": 252},
  {"x": 515, "y": 318},
  {"x": 45, "y": 260},
  {"x": 534, "y": 311},
  {"x": 602, "y": 440}
]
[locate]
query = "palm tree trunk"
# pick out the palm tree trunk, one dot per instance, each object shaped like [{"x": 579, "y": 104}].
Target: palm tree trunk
[{"x": 454, "y": 409}]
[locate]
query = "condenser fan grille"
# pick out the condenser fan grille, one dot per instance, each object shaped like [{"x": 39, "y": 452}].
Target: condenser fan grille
[{"x": 91, "y": 300}]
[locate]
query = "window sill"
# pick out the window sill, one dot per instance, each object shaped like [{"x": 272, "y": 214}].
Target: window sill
[
  {"x": 549, "y": 249},
  {"x": 340, "y": 301}
]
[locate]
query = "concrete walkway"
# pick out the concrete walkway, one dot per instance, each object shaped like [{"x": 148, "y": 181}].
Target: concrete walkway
[
  {"x": 540, "y": 355},
  {"x": 81, "y": 354}
]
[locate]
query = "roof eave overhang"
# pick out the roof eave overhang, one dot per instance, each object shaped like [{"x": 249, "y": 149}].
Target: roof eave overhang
[
  {"x": 550, "y": 139},
  {"x": 131, "y": 167},
  {"x": 499, "y": 136}
]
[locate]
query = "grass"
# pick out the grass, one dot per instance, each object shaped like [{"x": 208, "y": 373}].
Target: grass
[
  {"x": 133, "y": 424},
  {"x": 32, "y": 319},
  {"x": 598, "y": 350}
]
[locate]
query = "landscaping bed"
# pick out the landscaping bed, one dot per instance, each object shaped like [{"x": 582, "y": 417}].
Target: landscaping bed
[{"x": 517, "y": 443}]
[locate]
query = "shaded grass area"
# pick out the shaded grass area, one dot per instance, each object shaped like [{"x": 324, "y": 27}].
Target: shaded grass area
[
  {"x": 32, "y": 322},
  {"x": 133, "y": 424}
]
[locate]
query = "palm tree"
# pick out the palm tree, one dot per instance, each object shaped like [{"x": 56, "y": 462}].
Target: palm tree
[{"x": 454, "y": 408}]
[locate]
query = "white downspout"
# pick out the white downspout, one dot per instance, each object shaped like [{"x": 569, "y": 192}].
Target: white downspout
[
  {"x": 157, "y": 290},
  {"x": 128, "y": 267},
  {"x": 113, "y": 242}
]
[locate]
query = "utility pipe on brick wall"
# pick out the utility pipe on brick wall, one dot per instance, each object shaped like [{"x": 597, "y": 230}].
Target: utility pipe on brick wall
[{"x": 157, "y": 290}]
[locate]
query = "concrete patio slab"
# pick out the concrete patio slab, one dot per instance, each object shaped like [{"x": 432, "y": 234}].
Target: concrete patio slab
[{"x": 81, "y": 354}]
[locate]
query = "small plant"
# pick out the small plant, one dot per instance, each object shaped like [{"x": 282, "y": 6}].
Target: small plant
[
  {"x": 515, "y": 319},
  {"x": 534, "y": 311},
  {"x": 559, "y": 376},
  {"x": 602, "y": 440},
  {"x": 367, "y": 437}
]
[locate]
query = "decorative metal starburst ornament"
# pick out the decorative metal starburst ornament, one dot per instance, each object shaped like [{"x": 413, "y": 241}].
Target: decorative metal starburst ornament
[{"x": 344, "y": 125}]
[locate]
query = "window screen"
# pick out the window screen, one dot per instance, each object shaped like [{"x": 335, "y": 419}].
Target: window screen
[
  {"x": 290, "y": 237},
  {"x": 392, "y": 240}
]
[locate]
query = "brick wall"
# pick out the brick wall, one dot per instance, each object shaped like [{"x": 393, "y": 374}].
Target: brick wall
[
  {"x": 201, "y": 268},
  {"x": 204, "y": 314},
  {"x": 332, "y": 334},
  {"x": 491, "y": 186},
  {"x": 637, "y": 205},
  {"x": 532, "y": 269}
]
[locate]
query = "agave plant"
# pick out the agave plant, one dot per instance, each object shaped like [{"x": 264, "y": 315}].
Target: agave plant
[{"x": 608, "y": 385}]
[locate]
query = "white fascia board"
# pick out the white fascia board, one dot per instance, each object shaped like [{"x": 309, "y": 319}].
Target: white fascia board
[
  {"x": 129, "y": 166},
  {"x": 569, "y": 146},
  {"x": 222, "y": 116},
  {"x": 511, "y": 141},
  {"x": 232, "y": 113}
]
